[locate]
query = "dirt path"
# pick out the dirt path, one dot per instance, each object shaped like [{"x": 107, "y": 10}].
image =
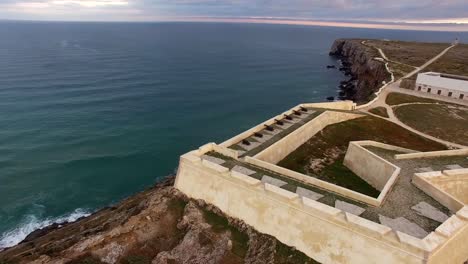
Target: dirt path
[{"x": 382, "y": 97}]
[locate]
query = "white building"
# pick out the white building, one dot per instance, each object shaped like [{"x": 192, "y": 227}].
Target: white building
[{"x": 453, "y": 86}]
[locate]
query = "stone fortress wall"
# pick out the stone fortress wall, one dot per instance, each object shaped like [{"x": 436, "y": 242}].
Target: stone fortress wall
[{"x": 325, "y": 233}]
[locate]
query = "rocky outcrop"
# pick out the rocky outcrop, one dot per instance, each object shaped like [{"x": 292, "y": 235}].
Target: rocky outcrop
[
  {"x": 160, "y": 225},
  {"x": 366, "y": 74}
]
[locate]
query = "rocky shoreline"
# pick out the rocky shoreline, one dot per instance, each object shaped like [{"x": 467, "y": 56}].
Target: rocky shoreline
[
  {"x": 365, "y": 75},
  {"x": 160, "y": 225}
]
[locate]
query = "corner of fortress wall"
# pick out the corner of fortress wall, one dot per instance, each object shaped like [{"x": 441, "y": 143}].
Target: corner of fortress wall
[{"x": 324, "y": 233}]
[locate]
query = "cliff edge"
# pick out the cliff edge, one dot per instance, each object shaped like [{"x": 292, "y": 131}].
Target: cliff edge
[
  {"x": 358, "y": 62},
  {"x": 158, "y": 226}
]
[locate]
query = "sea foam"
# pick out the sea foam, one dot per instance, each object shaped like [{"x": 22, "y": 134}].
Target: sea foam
[{"x": 32, "y": 223}]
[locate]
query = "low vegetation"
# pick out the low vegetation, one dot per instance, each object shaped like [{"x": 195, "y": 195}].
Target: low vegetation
[
  {"x": 399, "y": 70},
  {"x": 410, "y": 53},
  {"x": 380, "y": 111},
  {"x": 324, "y": 153},
  {"x": 448, "y": 122},
  {"x": 453, "y": 62},
  {"x": 399, "y": 98}
]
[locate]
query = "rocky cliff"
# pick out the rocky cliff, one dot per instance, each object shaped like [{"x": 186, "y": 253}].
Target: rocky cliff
[
  {"x": 160, "y": 226},
  {"x": 365, "y": 73}
]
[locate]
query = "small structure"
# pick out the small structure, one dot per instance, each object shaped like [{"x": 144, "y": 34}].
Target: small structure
[{"x": 441, "y": 84}]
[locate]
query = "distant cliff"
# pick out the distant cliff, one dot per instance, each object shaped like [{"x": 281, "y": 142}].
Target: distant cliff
[{"x": 366, "y": 73}]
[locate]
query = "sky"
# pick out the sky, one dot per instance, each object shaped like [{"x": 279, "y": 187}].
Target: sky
[{"x": 360, "y": 12}]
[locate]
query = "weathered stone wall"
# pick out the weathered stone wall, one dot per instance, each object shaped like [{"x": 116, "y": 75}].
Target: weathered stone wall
[
  {"x": 370, "y": 167},
  {"x": 282, "y": 148},
  {"x": 341, "y": 105},
  {"x": 452, "y": 236},
  {"x": 322, "y": 232},
  {"x": 316, "y": 182},
  {"x": 433, "y": 154}
]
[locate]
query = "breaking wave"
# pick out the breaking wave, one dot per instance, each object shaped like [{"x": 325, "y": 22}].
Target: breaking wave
[{"x": 32, "y": 223}]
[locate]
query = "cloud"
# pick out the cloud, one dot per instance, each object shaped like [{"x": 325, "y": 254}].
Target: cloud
[
  {"x": 347, "y": 10},
  {"x": 89, "y": 3}
]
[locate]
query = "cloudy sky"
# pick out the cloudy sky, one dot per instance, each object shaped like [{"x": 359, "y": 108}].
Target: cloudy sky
[{"x": 414, "y": 11}]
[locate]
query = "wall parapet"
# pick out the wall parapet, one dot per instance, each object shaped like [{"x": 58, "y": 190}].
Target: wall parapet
[
  {"x": 238, "y": 197},
  {"x": 353, "y": 195},
  {"x": 433, "y": 154},
  {"x": 424, "y": 182},
  {"x": 283, "y": 147}
]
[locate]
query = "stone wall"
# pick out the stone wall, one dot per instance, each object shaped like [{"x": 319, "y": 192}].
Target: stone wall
[
  {"x": 433, "y": 154},
  {"x": 315, "y": 182},
  {"x": 370, "y": 167},
  {"x": 449, "y": 187},
  {"x": 324, "y": 233},
  {"x": 341, "y": 105},
  {"x": 282, "y": 148}
]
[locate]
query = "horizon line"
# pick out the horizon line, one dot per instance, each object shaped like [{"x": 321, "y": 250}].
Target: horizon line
[{"x": 400, "y": 25}]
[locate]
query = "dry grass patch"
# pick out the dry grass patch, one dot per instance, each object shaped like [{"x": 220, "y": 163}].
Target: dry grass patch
[
  {"x": 380, "y": 111},
  {"x": 455, "y": 61},
  {"x": 399, "y": 98},
  {"x": 448, "y": 122},
  {"x": 411, "y": 53},
  {"x": 399, "y": 70},
  {"x": 322, "y": 156}
]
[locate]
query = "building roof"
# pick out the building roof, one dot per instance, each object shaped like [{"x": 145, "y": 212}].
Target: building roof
[{"x": 441, "y": 80}]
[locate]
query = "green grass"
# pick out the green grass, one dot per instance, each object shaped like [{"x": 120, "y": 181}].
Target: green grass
[
  {"x": 220, "y": 224},
  {"x": 380, "y": 111},
  {"x": 399, "y": 98},
  {"x": 339, "y": 174},
  {"x": 442, "y": 121},
  {"x": 330, "y": 145},
  {"x": 291, "y": 185}
]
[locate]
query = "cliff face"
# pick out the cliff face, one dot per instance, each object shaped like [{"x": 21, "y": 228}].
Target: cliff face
[
  {"x": 367, "y": 74},
  {"x": 159, "y": 226}
]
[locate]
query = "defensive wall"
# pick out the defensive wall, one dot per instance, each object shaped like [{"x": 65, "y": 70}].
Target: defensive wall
[
  {"x": 323, "y": 232},
  {"x": 283, "y": 147},
  {"x": 342, "y": 105}
]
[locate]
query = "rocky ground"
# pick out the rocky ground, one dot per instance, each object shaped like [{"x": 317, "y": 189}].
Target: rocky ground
[{"x": 160, "y": 225}]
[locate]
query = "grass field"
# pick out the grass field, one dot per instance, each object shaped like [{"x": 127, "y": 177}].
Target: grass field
[
  {"x": 399, "y": 70},
  {"x": 322, "y": 156},
  {"x": 448, "y": 122},
  {"x": 411, "y": 53},
  {"x": 399, "y": 98},
  {"x": 380, "y": 111},
  {"x": 455, "y": 61}
]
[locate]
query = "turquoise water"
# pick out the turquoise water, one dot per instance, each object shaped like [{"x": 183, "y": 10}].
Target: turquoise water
[{"x": 91, "y": 113}]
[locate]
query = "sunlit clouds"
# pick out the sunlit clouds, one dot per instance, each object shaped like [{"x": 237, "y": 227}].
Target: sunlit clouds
[
  {"x": 333, "y": 12},
  {"x": 90, "y": 3}
]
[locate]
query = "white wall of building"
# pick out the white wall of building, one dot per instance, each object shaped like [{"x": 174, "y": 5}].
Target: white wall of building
[{"x": 435, "y": 84}]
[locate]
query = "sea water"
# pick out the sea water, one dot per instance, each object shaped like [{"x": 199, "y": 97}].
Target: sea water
[{"x": 93, "y": 112}]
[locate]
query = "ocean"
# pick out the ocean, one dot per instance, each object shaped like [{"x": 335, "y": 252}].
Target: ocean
[{"x": 91, "y": 113}]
